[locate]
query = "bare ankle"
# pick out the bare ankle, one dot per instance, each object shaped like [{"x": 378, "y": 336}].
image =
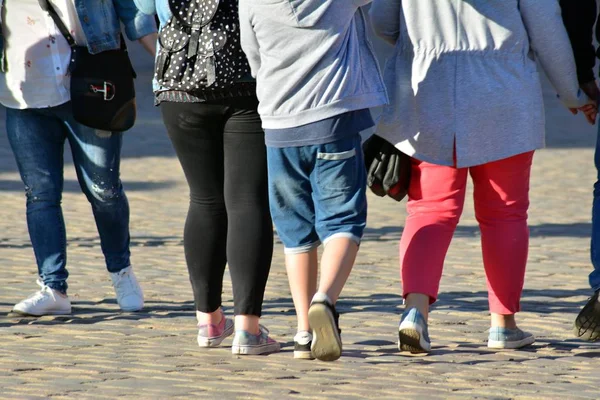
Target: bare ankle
[
  {"x": 420, "y": 302},
  {"x": 248, "y": 323},
  {"x": 503, "y": 321},
  {"x": 213, "y": 318}
]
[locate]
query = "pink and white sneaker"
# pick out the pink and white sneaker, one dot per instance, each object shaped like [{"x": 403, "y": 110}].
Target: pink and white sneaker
[{"x": 211, "y": 335}]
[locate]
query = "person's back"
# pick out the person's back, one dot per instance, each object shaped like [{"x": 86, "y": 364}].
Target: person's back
[
  {"x": 463, "y": 67},
  {"x": 315, "y": 60}
]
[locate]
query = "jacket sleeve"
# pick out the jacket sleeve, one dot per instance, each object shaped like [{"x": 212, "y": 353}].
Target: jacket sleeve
[
  {"x": 579, "y": 17},
  {"x": 385, "y": 18},
  {"x": 550, "y": 42},
  {"x": 137, "y": 24},
  {"x": 248, "y": 38},
  {"x": 146, "y": 6}
]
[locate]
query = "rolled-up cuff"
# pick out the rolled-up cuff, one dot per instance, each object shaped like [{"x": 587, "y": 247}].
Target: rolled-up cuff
[
  {"x": 347, "y": 235},
  {"x": 301, "y": 249},
  {"x": 142, "y": 25}
]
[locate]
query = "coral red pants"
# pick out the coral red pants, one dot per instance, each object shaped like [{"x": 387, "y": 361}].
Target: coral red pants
[{"x": 436, "y": 199}]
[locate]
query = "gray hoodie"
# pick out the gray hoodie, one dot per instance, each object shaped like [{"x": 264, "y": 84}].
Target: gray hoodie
[{"x": 311, "y": 58}]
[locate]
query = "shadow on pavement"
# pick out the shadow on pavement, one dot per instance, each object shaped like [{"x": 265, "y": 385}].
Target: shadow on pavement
[{"x": 578, "y": 230}]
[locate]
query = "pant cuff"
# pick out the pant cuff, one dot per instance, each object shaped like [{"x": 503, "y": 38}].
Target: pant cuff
[
  {"x": 347, "y": 235},
  {"x": 301, "y": 249}
]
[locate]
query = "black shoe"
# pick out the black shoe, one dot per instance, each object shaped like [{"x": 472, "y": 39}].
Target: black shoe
[
  {"x": 587, "y": 324},
  {"x": 302, "y": 345},
  {"x": 324, "y": 321}
]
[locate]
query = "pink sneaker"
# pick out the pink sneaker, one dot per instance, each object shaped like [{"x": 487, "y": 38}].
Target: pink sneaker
[{"x": 211, "y": 335}]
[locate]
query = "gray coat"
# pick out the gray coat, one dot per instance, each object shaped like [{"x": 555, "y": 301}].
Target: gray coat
[{"x": 463, "y": 76}]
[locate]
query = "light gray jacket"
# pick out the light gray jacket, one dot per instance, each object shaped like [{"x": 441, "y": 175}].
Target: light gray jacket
[
  {"x": 463, "y": 76},
  {"x": 311, "y": 59}
]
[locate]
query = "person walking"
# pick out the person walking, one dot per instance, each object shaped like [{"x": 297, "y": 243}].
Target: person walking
[
  {"x": 317, "y": 78},
  {"x": 34, "y": 88},
  {"x": 209, "y": 106},
  {"x": 467, "y": 100},
  {"x": 579, "y": 18}
]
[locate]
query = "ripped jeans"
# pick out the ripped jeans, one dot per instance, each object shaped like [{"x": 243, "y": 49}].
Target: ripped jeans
[{"x": 37, "y": 138}]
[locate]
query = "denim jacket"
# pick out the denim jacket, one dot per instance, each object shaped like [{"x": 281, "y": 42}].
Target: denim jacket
[{"x": 101, "y": 21}]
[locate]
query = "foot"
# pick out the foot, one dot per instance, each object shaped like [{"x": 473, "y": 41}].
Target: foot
[
  {"x": 302, "y": 344},
  {"x": 324, "y": 321},
  {"x": 587, "y": 324},
  {"x": 211, "y": 335},
  {"x": 245, "y": 343},
  {"x": 413, "y": 335},
  {"x": 504, "y": 338},
  {"x": 128, "y": 290},
  {"x": 47, "y": 301}
]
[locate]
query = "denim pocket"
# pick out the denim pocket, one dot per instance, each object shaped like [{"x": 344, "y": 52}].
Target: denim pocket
[{"x": 337, "y": 171}]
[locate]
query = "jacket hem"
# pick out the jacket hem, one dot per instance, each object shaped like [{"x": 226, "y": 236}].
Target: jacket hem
[{"x": 369, "y": 100}]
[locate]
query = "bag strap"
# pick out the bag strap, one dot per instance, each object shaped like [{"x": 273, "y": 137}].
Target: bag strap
[{"x": 49, "y": 8}]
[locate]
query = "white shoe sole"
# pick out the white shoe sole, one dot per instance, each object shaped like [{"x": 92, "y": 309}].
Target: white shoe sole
[
  {"x": 327, "y": 344},
  {"x": 246, "y": 350},
  {"x": 499, "y": 344},
  {"x": 54, "y": 312},
  {"x": 215, "y": 341},
  {"x": 303, "y": 355},
  {"x": 411, "y": 339},
  {"x": 131, "y": 309}
]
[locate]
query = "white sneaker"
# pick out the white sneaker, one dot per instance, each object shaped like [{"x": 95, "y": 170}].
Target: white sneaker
[
  {"x": 47, "y": 301},
  {"x": 128, "y": 290}
]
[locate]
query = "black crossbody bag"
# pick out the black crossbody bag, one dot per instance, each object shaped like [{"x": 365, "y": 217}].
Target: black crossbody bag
[{"x": 102, "y": 89}]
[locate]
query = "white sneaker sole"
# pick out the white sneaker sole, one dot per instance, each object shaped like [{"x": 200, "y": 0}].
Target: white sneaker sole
[
  {"x": 247, "y": 350},
  {"x": 132, "y": 309},
  {"x": 303, "y": 355},
  {"x": 53, "y": 312},
  {"x": 215, "y": 341},
  {"x": 327, "y": 344},
  {"x": 499, "y": 344},
  {"x": 411, "y": 339}
]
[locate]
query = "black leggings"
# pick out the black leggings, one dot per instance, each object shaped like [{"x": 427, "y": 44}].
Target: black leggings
[{"x": 220, "y": 145}]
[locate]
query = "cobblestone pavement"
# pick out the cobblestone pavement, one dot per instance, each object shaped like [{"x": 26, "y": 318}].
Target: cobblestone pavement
[{"x": 99, "y": 352}]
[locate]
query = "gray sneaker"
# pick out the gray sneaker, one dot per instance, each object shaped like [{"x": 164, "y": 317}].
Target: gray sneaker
[
  {"x": 413, "y": 335},
  {"x": 504, "y": 338},
  {"x": 245, "y": 343},
  {"x": 587, "y": 324}
]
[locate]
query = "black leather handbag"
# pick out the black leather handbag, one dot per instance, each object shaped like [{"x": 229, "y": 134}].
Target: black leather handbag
[
  {"x": 102, "y": 88},
  {"x": 388, "y": 169}
]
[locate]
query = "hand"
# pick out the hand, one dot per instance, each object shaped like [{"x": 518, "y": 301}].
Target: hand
[{"x": 590, "y": 110}]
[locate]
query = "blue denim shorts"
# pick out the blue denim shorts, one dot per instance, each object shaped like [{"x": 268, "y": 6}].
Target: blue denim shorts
[{"x": 317, "y": 193}]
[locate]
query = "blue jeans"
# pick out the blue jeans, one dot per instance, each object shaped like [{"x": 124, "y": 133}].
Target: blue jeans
[
  {"x": 37, "y": 138},
  {"x": 595, "y": 249},
  {"x": 317, "y": 193}
]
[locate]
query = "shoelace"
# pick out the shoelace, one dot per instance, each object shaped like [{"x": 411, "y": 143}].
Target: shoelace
[
  {"x": 44, "y": 292},
  {"x": 263, "y": 330},
  {"x": 124, "y": 282}
]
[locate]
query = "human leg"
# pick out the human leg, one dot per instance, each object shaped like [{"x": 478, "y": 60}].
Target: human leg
[
  {"x": 37, "y": 140},
  {"x": 501, "y": 193},
  {"x": 196, "y": 131},
  {"x": 250, "y": 230},
  {"x": 435, "y": 202}
]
